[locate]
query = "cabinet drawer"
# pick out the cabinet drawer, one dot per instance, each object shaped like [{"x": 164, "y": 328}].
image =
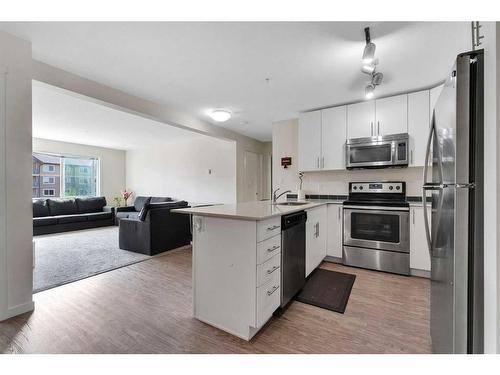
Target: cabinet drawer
[
  {"x": 268, "y": 299},
  {"x": 266, "y": 271},
  {"x": 268, "y": 248},
  {"x": 268, "y": 228}
]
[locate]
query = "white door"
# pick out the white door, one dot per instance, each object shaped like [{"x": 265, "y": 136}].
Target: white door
[
  {"x": 310, "y": 141},
  {"x": 253, "y": 176},
  {"x": 392, "y": 115},
  {"x": 333, "y": 136},
  {"x": 419, "y": 252},
  {"x": 418, "y": 126},
  {"x": 361, "y": 119},
  {"x": 334, "y": 232},
  {"x": 316, "y": 234}
]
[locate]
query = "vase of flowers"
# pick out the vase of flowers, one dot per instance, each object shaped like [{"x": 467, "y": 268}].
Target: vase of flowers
[{"x": 126, "y": 195}]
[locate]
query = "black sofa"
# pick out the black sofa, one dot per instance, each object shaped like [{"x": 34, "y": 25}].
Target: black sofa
[
  {"x": 155, "y": 229},
  {"x": 62, "y": 215},
  {"x": 132, "y": 212}
]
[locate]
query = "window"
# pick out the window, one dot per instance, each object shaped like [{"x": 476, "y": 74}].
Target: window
[
  {"x": 69, "y": 176},
  {"x": 48, "y": 168},
  {"x": 49, "y": 192},
  {"x": 49, "y": 180}
]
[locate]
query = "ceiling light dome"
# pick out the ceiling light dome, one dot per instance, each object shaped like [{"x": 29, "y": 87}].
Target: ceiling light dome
[{"x": 220, "y": 115}]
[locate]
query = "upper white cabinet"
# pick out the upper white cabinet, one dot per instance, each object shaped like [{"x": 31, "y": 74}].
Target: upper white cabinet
[
  {"x": 309, "y": 141},
  {"x": 433, "y": 97},
  {"x": 322, "y": 137},
  {"x": 316, "y": 234},
  {"x": 361, "y": 120},
  {"x": 333, "y": 130},
  {"x": 391, "y": 115},
  {"x": 334, "y": 238},
  {"x": 419, "y": 252},
  {"x": 418, "y": 126}
]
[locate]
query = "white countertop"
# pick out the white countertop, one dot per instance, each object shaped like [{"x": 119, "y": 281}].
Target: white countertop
[{"x": 258, "y": 210}]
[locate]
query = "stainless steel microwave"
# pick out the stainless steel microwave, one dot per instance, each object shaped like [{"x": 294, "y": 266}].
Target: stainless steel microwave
[{"x": 377, "y": 152}]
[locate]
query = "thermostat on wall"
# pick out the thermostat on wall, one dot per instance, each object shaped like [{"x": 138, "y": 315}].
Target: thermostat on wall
[{"x": 286, "y": 161}]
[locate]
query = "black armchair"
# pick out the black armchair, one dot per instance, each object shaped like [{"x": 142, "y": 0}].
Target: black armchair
[{"x": 156, "y": 229}]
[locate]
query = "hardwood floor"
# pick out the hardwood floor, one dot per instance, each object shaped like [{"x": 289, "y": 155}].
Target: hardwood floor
[{"x": 146, "y": 308}]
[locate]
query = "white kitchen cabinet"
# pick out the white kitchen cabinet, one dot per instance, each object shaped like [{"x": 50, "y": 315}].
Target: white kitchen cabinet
[
  {"x": 419, "y": 252},
  {"x": 433, "y": 97},
  {"x": 316, "y": 234},
  {"x": 418, "y": 126},
  {"x": 333, "y": 136},
  {"x": 309, "y": 141},
  {"x": 361, "y": 119},
  {"x": 334, "y": 230},
  {"x": 391, "y": 115}
]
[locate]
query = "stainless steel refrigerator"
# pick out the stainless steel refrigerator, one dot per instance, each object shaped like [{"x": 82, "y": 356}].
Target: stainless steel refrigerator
[{"x": 455, "y": 231}]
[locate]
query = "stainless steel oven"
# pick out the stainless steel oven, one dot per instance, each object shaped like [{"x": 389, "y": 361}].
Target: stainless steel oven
[
  {"x": 377, "y": 152},
  {"x": 377, "y": 227},
  {"x": 383, "y": 228}
]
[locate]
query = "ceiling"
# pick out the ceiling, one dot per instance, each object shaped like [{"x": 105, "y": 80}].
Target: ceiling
[
  {"x": 63, "y": 117},
  {"x": 201, "y": 66}
]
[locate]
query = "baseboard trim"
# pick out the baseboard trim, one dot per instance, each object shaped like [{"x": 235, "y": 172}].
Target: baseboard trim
[
  {"x": 331, "y": 259},
  {"x": 17, "y": 310},
  {"x": 420, "y": 273}
]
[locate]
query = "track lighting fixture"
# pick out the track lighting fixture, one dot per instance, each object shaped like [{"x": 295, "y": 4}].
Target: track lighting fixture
[{"x": 369, "y": 66}]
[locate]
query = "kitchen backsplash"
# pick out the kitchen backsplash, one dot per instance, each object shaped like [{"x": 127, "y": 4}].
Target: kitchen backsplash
[{"x": 336, "y": 182}]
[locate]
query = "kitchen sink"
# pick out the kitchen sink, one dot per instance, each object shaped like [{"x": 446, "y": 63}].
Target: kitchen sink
[{"x": 290, "y": 203}]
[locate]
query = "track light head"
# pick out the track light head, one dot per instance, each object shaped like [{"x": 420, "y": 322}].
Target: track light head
[
  {"x": 377, "y": 78},
  {"x": 369, "y": 91},
  {"x": 369, "y": 53}
]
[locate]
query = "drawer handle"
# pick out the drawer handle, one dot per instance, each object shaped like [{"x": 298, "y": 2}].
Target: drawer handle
[
  {"x": 273, "y": 227},
  {"x": 270, "y": 292},
  {"x": 271, "y": 270},
  {"x": 271, "y": 249}
]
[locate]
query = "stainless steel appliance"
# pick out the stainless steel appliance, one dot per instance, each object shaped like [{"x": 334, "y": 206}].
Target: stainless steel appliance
[
  {"x": 377, "y": 227},
  {"x": 377, "y": 152},
  {"x": 293, "y": 255},
  {"x": 455, "y": 235}
]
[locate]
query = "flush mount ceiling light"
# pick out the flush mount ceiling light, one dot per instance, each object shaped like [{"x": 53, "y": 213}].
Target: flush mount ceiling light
[
  {"x": 220, "y": 115},
  {"x": 369, "y": 66}
]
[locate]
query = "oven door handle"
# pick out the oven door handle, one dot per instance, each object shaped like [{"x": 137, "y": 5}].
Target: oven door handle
[{"x": 377, "y": 208}]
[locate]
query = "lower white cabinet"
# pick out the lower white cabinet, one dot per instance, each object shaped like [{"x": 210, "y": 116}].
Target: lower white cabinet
[
  {"x": 419, "y": 252},
  {"x": 334, "y": 231},
  {"x": 316, "y": 234}
]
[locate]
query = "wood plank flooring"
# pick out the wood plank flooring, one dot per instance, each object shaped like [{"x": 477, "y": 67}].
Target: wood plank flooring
[{"x": 146, "y": 308}]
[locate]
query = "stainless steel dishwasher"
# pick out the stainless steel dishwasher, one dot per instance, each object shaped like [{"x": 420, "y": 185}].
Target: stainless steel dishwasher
[{"x": 293, "y": 255}]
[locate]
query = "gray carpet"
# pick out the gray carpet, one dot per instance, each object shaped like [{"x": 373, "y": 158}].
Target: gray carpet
[{"x": 66, "y": 257}]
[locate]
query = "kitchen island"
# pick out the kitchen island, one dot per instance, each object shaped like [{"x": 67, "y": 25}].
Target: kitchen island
[{"x": 236, "y": 263}]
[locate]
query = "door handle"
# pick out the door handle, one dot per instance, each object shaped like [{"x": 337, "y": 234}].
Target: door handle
[
  {"x": 271, "y": 270},
  {"x": 270, "y": 292}
]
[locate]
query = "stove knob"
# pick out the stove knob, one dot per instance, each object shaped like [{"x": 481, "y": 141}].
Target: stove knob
[
  {"x": 398, "y": 187},
  {"x": 391, "y": 187},
  {"x": 355, "y": 187},
  {"x": 361, "y": 188}
]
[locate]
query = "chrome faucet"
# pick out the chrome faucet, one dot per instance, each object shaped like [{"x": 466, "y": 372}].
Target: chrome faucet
[{"x": 276, "y": 197}]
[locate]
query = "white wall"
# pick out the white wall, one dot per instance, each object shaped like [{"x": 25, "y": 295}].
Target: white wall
[
  {"x": 491, "y": 42},
  {"x": 16, "y": 255},
  {"x": 180, "y": 170},
  {"x": 112, "y": 163},
  {"x": 285, "y": 143},
  {"x": 117, "y": 99}
]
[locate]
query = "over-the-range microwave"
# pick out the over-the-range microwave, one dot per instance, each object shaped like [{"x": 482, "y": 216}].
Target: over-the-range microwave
[{"x": 377, "y": 152}]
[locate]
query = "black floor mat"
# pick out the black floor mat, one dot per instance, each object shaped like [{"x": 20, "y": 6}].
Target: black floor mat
[{"x": 327, "y": 289}]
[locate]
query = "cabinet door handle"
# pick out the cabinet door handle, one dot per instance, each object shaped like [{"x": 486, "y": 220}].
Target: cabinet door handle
[
  {"x": 271, "y": 270},
  {"x": 378, "y": 127},
  {"x": 413, "y": 217},
  {"x": 270, "y": 292},
  {"x": 371, "y": 126},
  {"x": 411, "y": 156},
  {"x": 271, "y": 249},
  {"x": 339, "y": 212},
  {"x": 317, "y": 162},
  {"x": 273, "y": 227},
  {"x": 322, "y": 162}
]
